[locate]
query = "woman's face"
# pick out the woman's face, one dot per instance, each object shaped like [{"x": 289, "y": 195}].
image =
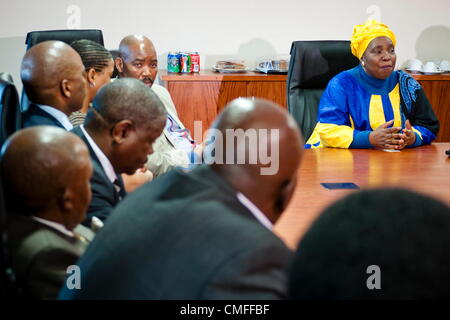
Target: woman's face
[
  {"x": 101, "y": 78},
  {"x": 379, "y": 58}
]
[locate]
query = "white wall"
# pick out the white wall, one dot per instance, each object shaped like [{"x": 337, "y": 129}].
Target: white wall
[{"x": 234, "y": 28}]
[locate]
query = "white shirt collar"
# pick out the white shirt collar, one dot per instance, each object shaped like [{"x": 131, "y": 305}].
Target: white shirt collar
[
  {"x": 104, "y": 161},
  {"x": 261, "y": 217},
  {"x": 58, "y": 115},
  {"x": 54, "y": 225}
]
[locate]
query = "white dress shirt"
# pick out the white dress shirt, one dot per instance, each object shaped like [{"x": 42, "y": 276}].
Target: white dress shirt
[
  {"x": 54, "y": 225},
  {"x": 58, "y": 115}
]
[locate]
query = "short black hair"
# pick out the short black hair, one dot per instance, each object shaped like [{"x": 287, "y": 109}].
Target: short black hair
[
  {"x": 405, "y": 234},
  {"x": 125, "y": 99}
]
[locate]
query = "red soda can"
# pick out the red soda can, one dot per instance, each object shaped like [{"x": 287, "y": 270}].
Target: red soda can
[
  {"x": 195, "y": 62},
  {"x": 185, "y": 62}
]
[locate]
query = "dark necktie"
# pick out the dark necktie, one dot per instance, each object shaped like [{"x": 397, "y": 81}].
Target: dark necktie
[{"x": 118, "y": 188}]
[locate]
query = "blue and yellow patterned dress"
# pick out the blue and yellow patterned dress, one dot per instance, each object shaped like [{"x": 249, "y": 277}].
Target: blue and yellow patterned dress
[{"x": 355, "y": 103}]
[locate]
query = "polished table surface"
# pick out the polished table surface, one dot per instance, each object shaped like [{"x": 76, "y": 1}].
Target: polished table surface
[{"x": 425, "y": 169}]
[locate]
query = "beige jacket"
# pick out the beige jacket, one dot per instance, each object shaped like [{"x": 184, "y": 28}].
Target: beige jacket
[{"x": 166, "y": 156}]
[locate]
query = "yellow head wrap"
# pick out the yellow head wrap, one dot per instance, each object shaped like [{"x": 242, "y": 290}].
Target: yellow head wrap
[{"x": 364, "y": 33}]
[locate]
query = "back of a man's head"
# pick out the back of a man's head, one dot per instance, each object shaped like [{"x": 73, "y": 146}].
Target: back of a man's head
[
  {"x": 122, "y": 99},
  {"x": 257, "y": 148},
  {"x": 46, "y": 172},
  {"x": 53, "y": 74},
  {"x": 375, "y": 244},
  {"x": 125, "y": 120}
]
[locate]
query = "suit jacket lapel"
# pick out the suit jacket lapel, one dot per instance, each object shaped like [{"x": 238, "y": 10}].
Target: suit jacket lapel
[{"x": 97, "y": 164}]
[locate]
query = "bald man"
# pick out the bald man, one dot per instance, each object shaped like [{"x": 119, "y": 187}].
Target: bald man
[
  {"x": 54, "y": 80},
  {"x": 206, "y": 234},
  {"x": 46, "y": 173},
  {"x": 175, "y": 147},
  {"x": 125, "y": 120}
]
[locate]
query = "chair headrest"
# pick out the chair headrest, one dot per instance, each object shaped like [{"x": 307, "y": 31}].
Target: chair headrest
[
  {"x": 314, "y": 63},
  {"x": 67, "y": 36}
]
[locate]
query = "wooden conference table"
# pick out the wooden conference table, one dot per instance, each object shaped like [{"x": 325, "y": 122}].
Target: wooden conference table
[{"x": 424, "y": 169}]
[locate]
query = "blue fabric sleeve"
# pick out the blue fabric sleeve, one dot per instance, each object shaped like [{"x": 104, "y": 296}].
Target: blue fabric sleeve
[
  {"x": 427, "y": 135},
  {"x": 333, "y": 104},
  {"x": 361, "y": 140},
  {"x": 418, "y": 141}
]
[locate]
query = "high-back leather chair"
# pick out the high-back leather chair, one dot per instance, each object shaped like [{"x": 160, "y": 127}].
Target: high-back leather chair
[
  {"x": 312, "y": 65},
  {"x": 9, "y": 289},
  {"x": 115, "y": 54},
  {"x": 67, "y": 36},
  {"x": 10, "y": 115}
]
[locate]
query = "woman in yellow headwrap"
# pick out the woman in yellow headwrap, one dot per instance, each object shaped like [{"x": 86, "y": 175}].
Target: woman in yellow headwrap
[{"x": 371, "y": 105}]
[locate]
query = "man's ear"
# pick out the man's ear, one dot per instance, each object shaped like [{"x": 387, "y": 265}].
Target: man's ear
[
  {"x": 119, "y": 64},
  {"x": 66, "y": 203},
  {"x": 66, "y": 87},
  {"x": 65, "y": 200},
  {"x": 285, "y": 194},
  {"x": 122, "y": 130}
]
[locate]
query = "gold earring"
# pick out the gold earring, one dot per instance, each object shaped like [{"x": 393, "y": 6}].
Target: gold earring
[{"x": 362, "y": 62}]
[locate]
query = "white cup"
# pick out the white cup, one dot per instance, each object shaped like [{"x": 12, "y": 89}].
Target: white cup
[
  {"x": 414, "y": 65},
  {"x": 430, "y": 67},
  {"x": 445, "y": 65}
]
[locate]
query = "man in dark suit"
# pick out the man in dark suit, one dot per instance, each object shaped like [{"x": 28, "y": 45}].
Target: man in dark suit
[
  {"x": 206, "y": 234},
  {"x": 45, "y": 172},
  {"x": 54, "y": 80},
  {"x": 119, "y": 130}
]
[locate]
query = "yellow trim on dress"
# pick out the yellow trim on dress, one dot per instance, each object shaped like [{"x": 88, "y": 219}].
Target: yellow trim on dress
[
  {"x": 336, "y": 136},
  {"x": 376, "y": 112},
  {"x": 394, "y": 96}
]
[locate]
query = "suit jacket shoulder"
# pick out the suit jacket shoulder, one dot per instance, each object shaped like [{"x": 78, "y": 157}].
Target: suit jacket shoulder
[
  {"x": 35, "y": 116},
  {"x": 40, "y": 256},
  {"x": 167, "y": 101}
]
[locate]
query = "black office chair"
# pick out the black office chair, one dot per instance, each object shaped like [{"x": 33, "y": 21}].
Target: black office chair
[
  {"x": 115, "y": 54},
  {"x": 312, "y": 65},
  {"x": 10, "y": 115},
  {"x": 9, "y": 289},
  {"x": 67, "y": 36}
]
